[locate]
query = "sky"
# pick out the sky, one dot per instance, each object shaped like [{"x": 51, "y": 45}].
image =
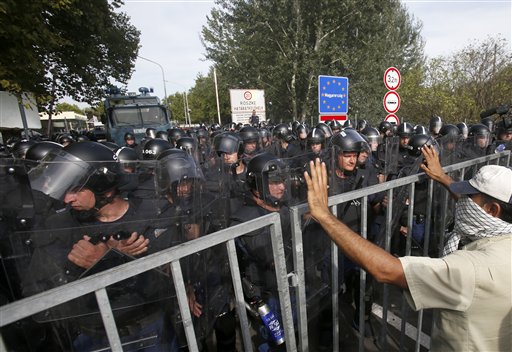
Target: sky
[{"x": 171, "y": 31}]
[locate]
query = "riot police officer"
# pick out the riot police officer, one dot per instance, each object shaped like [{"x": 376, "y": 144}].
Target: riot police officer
[
  {"x": 267, "y": 193},
  {"x": 99, "y": 224}
]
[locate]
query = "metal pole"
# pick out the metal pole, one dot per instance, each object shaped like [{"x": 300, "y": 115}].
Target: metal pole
[
  {"x": 23, "y": 116},
  {"x": 163, "y": 76},
  {"x": 188, "y": 110},
  {"x": 216, "y": 93},
  {"x": 184, "y": 108}
]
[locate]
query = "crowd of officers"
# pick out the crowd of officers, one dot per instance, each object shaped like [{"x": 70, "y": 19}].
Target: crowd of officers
[{"x": 73, "y": 207}]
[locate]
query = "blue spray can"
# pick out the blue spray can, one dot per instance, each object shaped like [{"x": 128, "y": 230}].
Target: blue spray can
[{"x": 271, "y": 322}]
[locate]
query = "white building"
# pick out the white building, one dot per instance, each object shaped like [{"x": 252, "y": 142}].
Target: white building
[{"x": 65, "y": 121}]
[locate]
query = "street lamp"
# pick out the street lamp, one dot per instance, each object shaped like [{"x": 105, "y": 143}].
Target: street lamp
[{"x": 163, "y": 75}]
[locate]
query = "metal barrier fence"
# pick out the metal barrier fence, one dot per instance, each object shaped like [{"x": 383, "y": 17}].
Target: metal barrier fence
[{"x": 98, "y": 283}]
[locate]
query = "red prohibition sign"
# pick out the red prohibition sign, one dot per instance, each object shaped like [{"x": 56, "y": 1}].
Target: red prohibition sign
[
  {"x": 391, "y": 102},
  {"x": 392, "y": 78},
  {"x": 247, "y": 95}
]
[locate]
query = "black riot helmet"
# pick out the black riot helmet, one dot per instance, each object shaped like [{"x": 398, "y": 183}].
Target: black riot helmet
[
  {"x": 39, "y": 150},
  {"x": 371, "y": 133},
  {"x": 129, "y": 136},
  {"x": 249, "y": 134},
  {"x": 215, "y": 127},
  {"x": 231, "y": 126},
  {"x": 419, "y": 141},
  {"x": 489, "y": 122},
  {"x": 202, "y": 133},
  {"x": 162, "y": 135},
  {"x": 335, "y": 125},
  {"x": 348, "y": 140},
  {"x": 419, "y": 129},
  {"x": 349, "y": 123},
  {"x": 229, "y": 143},
  {"x": 86, "y": 164},
  {"x": 20, "y": 148},
  {"x": 362, "y": 124},
  {"x": 324, "y": 127},
  {"x": 175, "y": 167},
  {"x": 153, "y": 147},
  {"x": 127, "y": 157},
  {"x": 65, "y": 139},
  {"x": 265, "y": 136},
  {"x": 316, "y": 136},
  {"x": 187, "y": 144},
  {"x": 282, "y": 132},
  {"x": 150, "y": 133},
  {"x": 262, "y": 170},
  {"x": 265, "y": 133},
  {"x": 373, "y": 136},
  {"x": 385, "y": 127},
  {"x": 449, "y": 130},
  {"x": 192, "y": 133},
  {"x": 464, "y": 129},
  {"x": 435, "y": 125},
  {"x": 480, "y": 134},
  {"x": 294, "y": 126},
  {"x": 503, "y": 127},
  {"x": 405, "y": 130},
  {"x": 174, "y": 134},
  {"x": 301, "y": 129}
]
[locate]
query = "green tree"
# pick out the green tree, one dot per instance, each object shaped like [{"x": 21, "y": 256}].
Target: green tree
[
  {"x": 282, "y": 47},
  {"x": 177, "y": 103},
  {"x": 60, "y": 107},
  {"x": 458, "y": 87},
  {"x": 55, "y": 48},
  {"x": 202, "y": 100},
  {"x": 97, "y": 110}
]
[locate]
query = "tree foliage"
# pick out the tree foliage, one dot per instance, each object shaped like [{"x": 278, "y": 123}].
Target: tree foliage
[
  {"x": 282, "y": 47},
  {"x": 55, "y": 48},
  {"x": 460, "y": 86},
  {"x": 203, "y": 103},
  {"x": 60, "y": 107}
]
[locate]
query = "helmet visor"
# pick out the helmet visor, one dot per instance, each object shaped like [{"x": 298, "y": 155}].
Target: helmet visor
[{"x": 58, "y": 173}]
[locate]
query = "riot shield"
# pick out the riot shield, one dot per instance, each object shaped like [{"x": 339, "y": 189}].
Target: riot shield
[
  {"x": 226, "y": 182},
  {"x": 449, "y": 149},
  {"x": 192, "y": 213},
  {"x": 39, "y": 255},
  {"x": 390, "y": 151}
]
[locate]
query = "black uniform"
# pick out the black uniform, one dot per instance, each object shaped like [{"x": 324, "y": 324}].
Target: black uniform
[{"x": 139, "y": 303}]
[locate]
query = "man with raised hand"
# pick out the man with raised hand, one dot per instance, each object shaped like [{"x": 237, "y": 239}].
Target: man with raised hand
[{"x": 470, "y": 287}]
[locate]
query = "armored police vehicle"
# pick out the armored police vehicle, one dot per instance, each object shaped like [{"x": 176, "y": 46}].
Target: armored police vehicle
[{"x": 133, "y": 113}]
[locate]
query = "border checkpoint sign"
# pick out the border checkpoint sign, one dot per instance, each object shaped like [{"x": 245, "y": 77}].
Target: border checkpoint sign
[{"x": 332, "y": 96}]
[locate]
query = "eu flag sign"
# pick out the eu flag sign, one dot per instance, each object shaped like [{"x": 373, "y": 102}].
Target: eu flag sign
[{"x": 332, "y": 95}]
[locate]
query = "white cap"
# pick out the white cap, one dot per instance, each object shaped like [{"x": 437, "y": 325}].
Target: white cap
[{"x": 493, "y": 180}]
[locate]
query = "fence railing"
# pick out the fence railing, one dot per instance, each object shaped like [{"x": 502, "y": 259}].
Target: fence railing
[{"x": 98, "y": 283}]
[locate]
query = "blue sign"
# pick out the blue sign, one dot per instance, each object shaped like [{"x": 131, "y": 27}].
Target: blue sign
[{"x": 332, "y": 95}]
